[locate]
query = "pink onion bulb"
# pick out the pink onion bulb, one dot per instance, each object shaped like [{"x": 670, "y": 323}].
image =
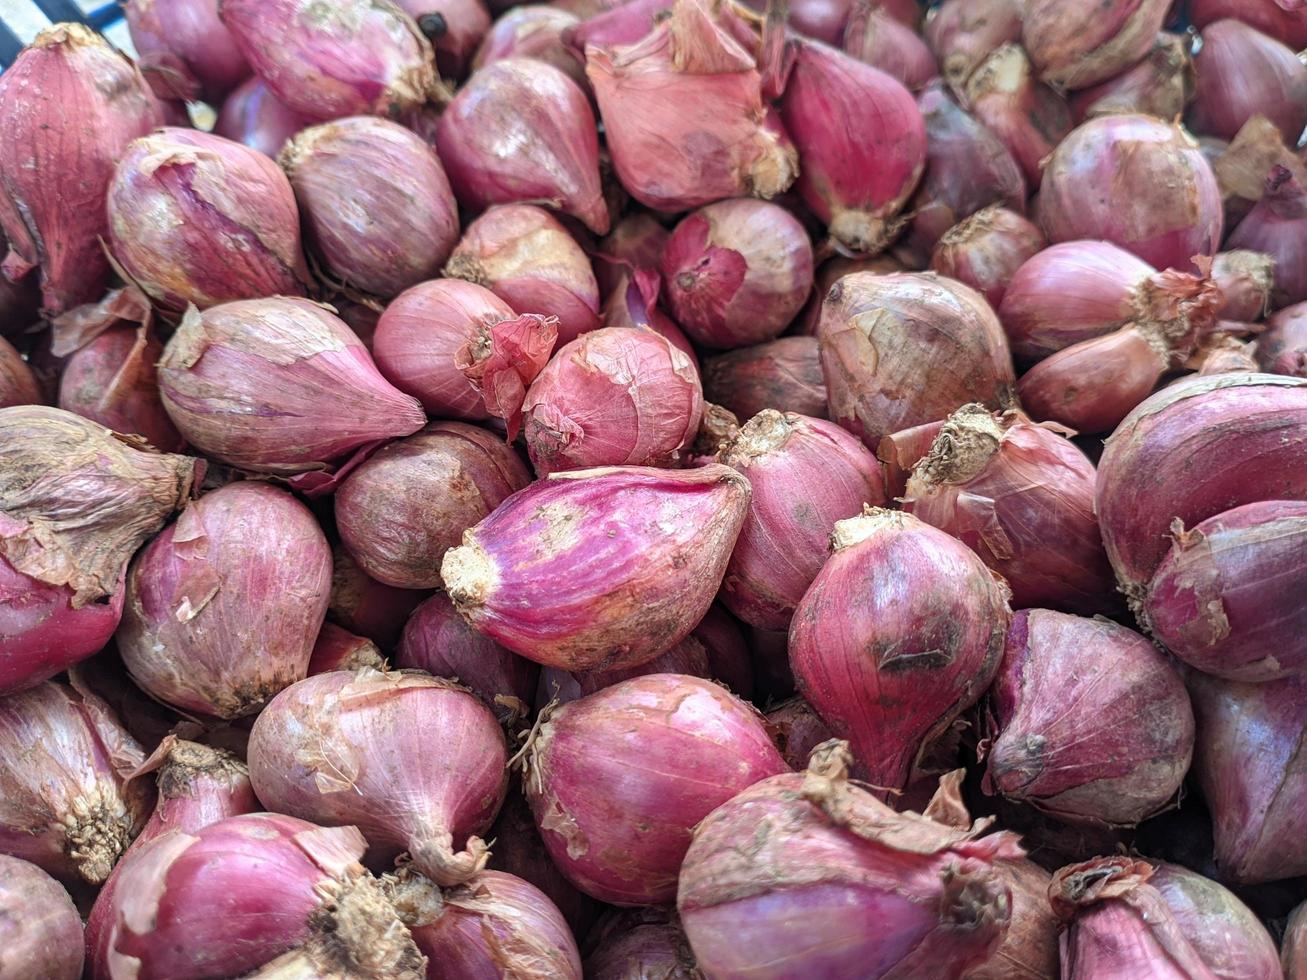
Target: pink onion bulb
[
  {"x": 963, "y": 33},
  {"x": 1136, "y": 182},
  {"x": 311, "y": 754},
  {"x": 1282, "y": 348},
  {"x": 806, "y": 474},
  {"x": 900, "y": 632},
  {"x": 1224, "y": 931},
  {"x": 253, "y": 115},
  {"x": 903, "y": 349},
  {"x": 40, "y": 930},
  {"x": 1030, "y": 117},
  {"x": 1242, "y": 73},
  {"x": 365, "y": 606},
  {"x": 1246, "y": 280},
  {"x": 1075, "y": 46},
  {"x": 17, "y": 382},
  {"x": 184, "y": 50},
  {"x": 857, "y": 169},
  {"x": 70, "y": 104},
  {"x": 1160, "y": 85},
  {"x": 599, "y": 568},
  {"x": 1104, "y": 740},
  {"x": 545, "y": 117},
  {"x": 613, "y": 397},
  {"x": 399, "y": 511},
  {"x": 737, "y": 272},
  {"x": 639, "y": 942},
  {"x": 875, "y": 37},
  {"x": 224, "y": 606},
  {"x": 454, "y": 28},
  {"x": 985, "y": 251},
  {"x": 533, "y": 31},
  {"x": 634, "y": 303},
  {"x": 278, "y": 386},
  {"x": 784, "y": 374},
  {"x": 1275, "y": 226},
  {"x": 1285, "y": 20},
  {"x": 619, "y": 779}
]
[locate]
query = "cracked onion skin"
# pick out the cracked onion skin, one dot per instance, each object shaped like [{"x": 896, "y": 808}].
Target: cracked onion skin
[
  {"x": 602, "y": 568},
  {"x": 40, "y": 930},
  {"x": 618, "y": 780},
  {"x": 1076, "y": 45}
]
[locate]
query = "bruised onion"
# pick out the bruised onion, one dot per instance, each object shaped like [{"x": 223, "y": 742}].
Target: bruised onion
[
  {"x": 277, "y": 385},
  {"x": 346, "y": 748},
  {"x": 900, "y": 632},
  {"x": 195, "y": 218},
  {"x": 1285, "y": 20},
  {"x": 454, "y": 28},
  {"x": 224, "y": 606},
  {"x": 985, "y": 251},
  {"x": 797, "y": 731},
  {"x": 184, "y": 50},
  {"x": 1160, "y": 85},
  {"x": 1137, "y": 182},
  {"x": 1075, "y": 45},
  {"x": 17, "y": 383},
  {"x": 365, "y": 606},
  {"x": 1031, "y": 118},
  {"x": 399, "y": 511},
  {"x": 1242, "y": 73},
  {"x": 40, "y": 930},
  {"x": 70, "y": 105},
  {"x": 618, "y": 780},
  {"x": 613, "y": 397},
  {"x": 1246, "y": 280},
  {"x": 599, "y": 568},
  {"x": 1275, "y": 226},
  {"x": 903, "y": 349},
  {"x": 532, "y": 31},
  {"x": 875, "y": 37},
  {"x": 339, "y": 649},
  {"x": 963, "y": 33},
  {"x": 641, "y": 943},
  {"x": 1282, "y": 348},
  {"x": 784, "y": 374},
  {"x": 253, "y": 115}
]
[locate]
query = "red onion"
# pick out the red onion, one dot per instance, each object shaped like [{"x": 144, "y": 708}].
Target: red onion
[
  {"x": 1030, "y": 117},
  {"x": 1022, "y": 497},
  {"x": 797, "y": 731},
  {"x": 252, "y": 115},
  {"x": 454, "y": 28},
  {"x": 636, "y": 242},
  {"x": 784, "y": 374},
  {"x": 1223, "y": 355},
  {"x": 689, "y": 657},
  {"x": 985, "y": 251},
  {"x": 1282, "y": 348},
  {"x": 534, "y": 31},
  {"x": 1285, "y": 20},
  {"x": 18, "y": 385},
  {"x": 634, "y": 303},
  {"x": 599, "y": 568},
  {"x": 278, "y": 386},
  {"x": 1160, "y": 85},
  {"x": 640, "y": 944},
  {"x": 75, "y": 802},
  {"x": 1293, "y": 951},
  {"x": 900, "y": 632},
  {"x": 365, "y": 606},
  {"x": 963, "y": 33},
  {"x": 70, "y": 104},
  {"x": 339, "y": 649},
  {"x": 729, "y": 659},
  {"x": 361, "y": 57},
  {"x": 526, "y": 258},
  {"x": 858, "y": 169},
  {"x": 311, "y": 754},
  {"x": 1246, "y": 280},
  {"x": 875, "y": 37},
  {"x": 184, "y": 50},
  {"x": 1159, "y": 464},
  {"x": 399, "y": 512},
  {"x": 40, "y": 930},
  {"x": 185, "y": 236},
  {"x": 521, "y": 130},
  {"x": 613, "y": 397},
  {"x": 224, "y": 606},
  {"x": 618, "y": 780},
  {"x": 1242, "y": 73},
  {"x": 833, "y": 879},
  {"x": 630, "y": 22},
  {"x": 1275, "y": 226},
  {"x": 1242, "y": 165},
  {"x": 684, "y": 117},
  {"x": 902, "y": 349},
  {"x": 1103, "y": 740},
  {"x": 1075, "y": 45}
]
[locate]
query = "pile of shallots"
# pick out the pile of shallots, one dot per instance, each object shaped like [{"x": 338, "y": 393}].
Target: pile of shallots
[{"x": 681, "y": 489}]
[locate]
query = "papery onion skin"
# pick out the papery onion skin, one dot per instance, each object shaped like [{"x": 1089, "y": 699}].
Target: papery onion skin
[
  {"x": 1074, "y": 46},
  {"x": 1029, "y": 950},
  {"x": 337, "y": 648},
  {"x": 635, "y": 303},
  {"x": 1285, "y": 20},
  {"x": 17, "y": 383},
  {"x": 639, "y": 944},
  {"x": 874, "y": 36},
  {"x": 363, "y": 605},
  {"x": 901, "y": 451},
  {"x": 1101, "y": 739},
  {"x": 1136, "y": 182},
  {"x": 349, "y": 748},
  {"x": 985, "y": 250},
  {"x": 1022, "y": 497},
  {"x": 399, "y": 511},
  {"x": 1275, "y": 226},
  {"x": 1247, "y": 280},
  {"x": 925, "y": 639},
  {"x": 532, "y": 31},
  {"x": 535, "y": 107},
  {"x": 882, "y": 336},
  {"x": 784, "y": 374},
  {"x": 546, "y": 575},
  {"x": 184, "y": 50},
  {"x": 617, "y": 780},
  {"x": 1160, "y": 85},
  {"x": 1242, "y": 73},
  {"x": 454, "y": 28},
  {"x": 40, "y": 930},
  {"x": 253, "y": 115},
  {"x": 963, "y": 33},
  {"x": 1242, "y": 165},
  {"x": 223, "y": 607},
  {"x": 1223, "y": 930},
  {"x": 797, "y": 731},
  {"x": 316, "y": 393},
  {"x": 1282, "y": 348},
  {"x": 832, "y": 271},
  {"x": 55, "y": 166},
  {"x": 636, "y": 242},
  {"x": 627, "y": 24}
]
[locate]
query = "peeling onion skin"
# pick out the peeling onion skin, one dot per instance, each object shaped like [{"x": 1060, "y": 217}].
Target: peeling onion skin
[
  {"x": 1246, "y": 280},
  {"x": 253, "y": 115},
  {"x": 399, "y": 511},
  {"x": 782, "y": 374},
  {"x": 74, "y": 804},
  {"x": 900, "y": 632},
  {"x": 184, "y": 50},
  {"x": 1093, "y": 724},
  {"x": 338, "y": 649},
  {"x": 1282, "y": 348},
  {"x": 1029, "y": 950},
  {"x": 1293, "y": 949},
  {"x": 1276, "y": 226},
  {"x": 963, "y": 33},
  {"x": 1285, "y": 20},
  {"x": 985, "y": 251},
  {"x": 636, "y": 242},
  {"x": 532, "y": 31},
  {"x": 639, "y": 944},
  {"x": 1160, "y": 85},
  {"x": 618, "y": 780},
  {"x": 599, "y": 569},
  {"x": 1223, "y": 930},
  {"x": 40, "y": 930},
  {"x": 1242, "y": 73},
  {"x": 17, "y": 383},
  {"x": 1075, "y": 46},
  {"x": 352, "y": 748}
]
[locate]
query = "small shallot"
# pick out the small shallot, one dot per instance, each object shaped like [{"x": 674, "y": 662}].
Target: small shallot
[
  {"x": 365, "y": 606},
  {"x": 1285, "y": 20},
  {"x": 532, "y": 31},
  {"x": 1282, "y": 348},
  {"x": 1224, "y": 931},
  {"x": 254, "y": 116},
  {"x": 1242, "y": 73},
  {"x": 963, "y": 33},
  {"x": 1246, "y": 280},
  {"x": 454, "y": 28},
  {"x": 184, "y": 50},
  {"x": 639, "y": 943},
  {"x": 1075, "y": 44},
  {"x": 784, "y": 374},
  {"x": 1160, "y": 85},
  {"x": 874, "y": 36},
  {"x": 1030, "y": 117},
  {"x": 1276, "y": 226},
  {"x": 986, "y": 250},
  {"x": 40, "y": 930}
]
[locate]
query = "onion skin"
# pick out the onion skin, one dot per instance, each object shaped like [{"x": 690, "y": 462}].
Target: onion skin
[
  {"x": 963, "y": 33},
  {"x": 1275, "y": 226},
  {"x": 859, "y": 202},
  {"x": 41, "y": 935},
  {"x": 367, "y": 58},
  {"x": 985, "y": 251},
  {"x": 783, "y": 374},
  {"x": 640, "y": 944},
  {"x": 1242, "y": 165},
  {"x": 1285, "y": 20},
  {"x": 889, "y": 660},
  {"x": 684, "y": 116},
  {"x": 1282, "y": 348},
  {"x": 502, "y": 360},
  {"x": 1223, "y": 930},
  {"x": 339, "y": 649},
  {"x": 538, "y": 109},
  {"x": 689, "y": 657},
  {"x": 1030, "y": 117},
  {"x": 634, "y": 303},
  {"x": 55, "y": 165},
  {"x": 797, "y": 730},
  {"x": 224, "y": 606},
  {"x": 184, "y": 50},
  {"x": 17, "y": 383},
  {"x": 1112, "y": 745},
  {"x": 312, "y": 754},
  {"x": 533, "y": 31},
  {"x": 875, "y": 37},
  {"x": 1246, "y": 280},
  {"x": 399, "y": 511},
  {"x": 884, "y": 336},
  {"x": 1075, "y": 46},
  {"x": 1136, "y": 182},
  {"x": 253, "y": 115},
  {"x": 316, "y": 392},
  {"x": 544, "y": 574},
  {"x": 636, "y": 242},
  {"x": 901, "y": 451},
  {"x": 1255, "y": 424},
  {"x": 729, "y": 659},
  {"x": 1160, "y": 85},
  {"x": 365, "y": 606},
  {"x": 736, "y": 272},
  {"x": 618, "y": 780},
  {"x": 1021, "y": 496},
  {"x": 454, "y": 28},
  {"x": 1292, "y": 947},
  {"x": 613, "y": 397},
  {"x": 1029, "y": 950},
  {"x": 1242, "y": 73},
  {"x": 74, "y": 804}
]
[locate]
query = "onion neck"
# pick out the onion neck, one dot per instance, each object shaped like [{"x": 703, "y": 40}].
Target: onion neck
[
  {"x": 871, "y": 521},
  {"x": 189, "y": 761},
  {"x": 963, "y": 448},
  {"x": 98, "y": 830},
  {"x": 764, "y": 433},
  {"x": 436, "y": 858}
]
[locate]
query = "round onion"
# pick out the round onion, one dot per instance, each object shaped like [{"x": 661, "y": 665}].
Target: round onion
[
  {"x": 253, "y": 115},
  {"x": 1276, "y": 226},
  {"x": 184, "y": 50},
  {"x": 874, "y": 36},
  {"x": 1222, "y": 930},
  {"x": 985, "y": 250},
  {"x": 1285, "y": 20},
  {"x": 1028, "y": 116},
  {"x": 963, "y": 33},
  {"x": 1075, "y": 45},
  {"x": 454, "y": 28},
  {"x": 1160, "y": 85},
  {"x": 1282, "y": 348},
  {"x": 532, "y": 31},
  {"x": 1242, "y": 73},
  {"x": 784, "y": 374},
  {"x": 640, "y": 944},
  {"x": 40, "y": 930}
]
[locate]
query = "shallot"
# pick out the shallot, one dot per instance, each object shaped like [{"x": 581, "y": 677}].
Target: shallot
[
  {"x": 454, "y": 28},
  {"x": 337, "y": 648},
  {"x": 640, "y": 942},
  {"x": 1285, "y": 20},
  {"x": 1160, "y": 85},
  {"x": 874, "y": 36},
  {"x": 985, "y": 250},
  {"x": 1242, "y": 73},
  {"x": 40, "y": 930},
  {"x": 783, "y": 374},
  {"x": 1222, "y": 930},
  {"x": 963, "y": 33},
  {"x": 184, "y": 50},
  {"x": 1275, "y": 226},
  {"x": 1030, "y": 117},
  {"x": 253, "y": 115},
  {"x": 1282, "y": 348},
  {"x": 1075, "y": 45},
  {"x": 1246, "y": 280},
  {"x": 532, "y": 31},
  {"x": 797, "y": 731}
]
